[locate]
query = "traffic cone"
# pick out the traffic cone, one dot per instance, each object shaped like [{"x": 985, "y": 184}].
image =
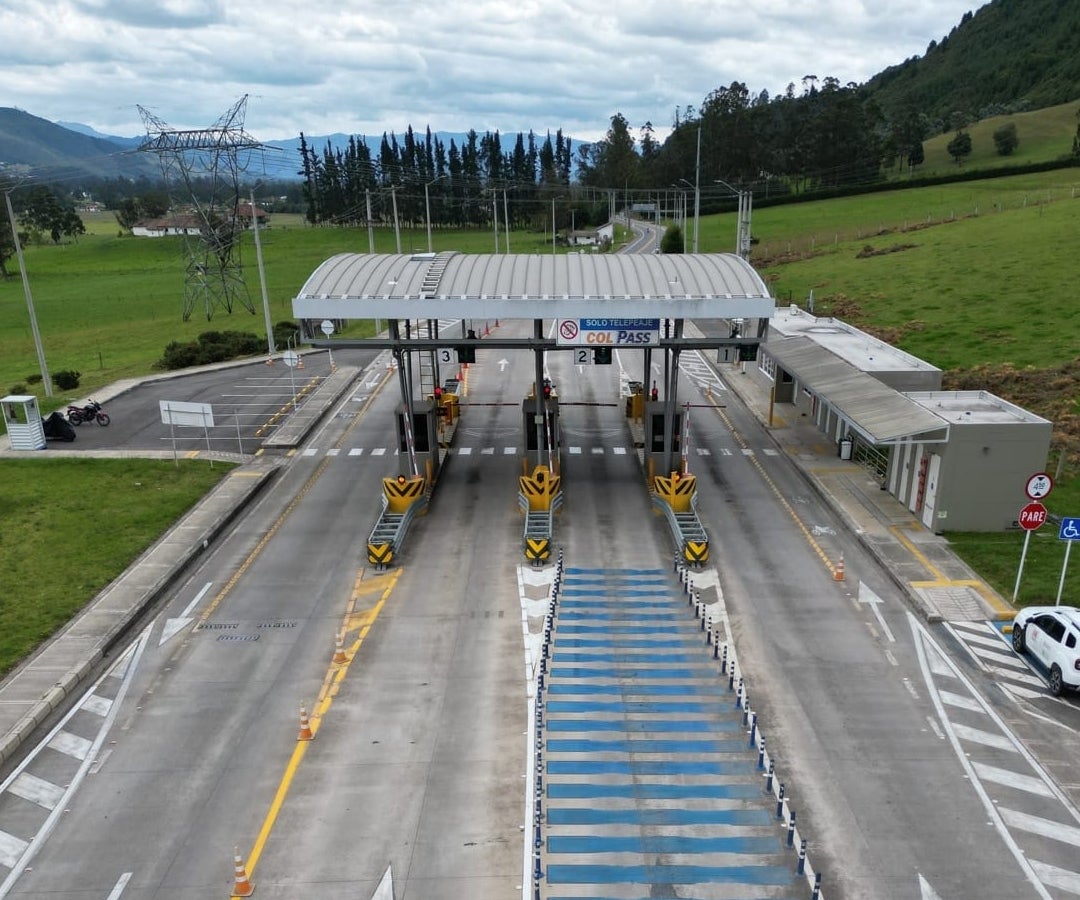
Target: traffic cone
[
  {"x": 838, "y": 572},
  {"x": 269, "y": 360},
  {"x": 339, "y": 650},
  {"x": 299, "y": 362},
  {"x": 243, "y": 887},
  {"x": 306, "y": 733}
]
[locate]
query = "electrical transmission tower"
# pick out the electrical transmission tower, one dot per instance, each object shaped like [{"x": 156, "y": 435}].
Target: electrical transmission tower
[{"x": 205, "y": 164}]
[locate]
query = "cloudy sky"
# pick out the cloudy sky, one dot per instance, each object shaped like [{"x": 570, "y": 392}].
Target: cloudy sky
[{"x": 368, "y": 66}]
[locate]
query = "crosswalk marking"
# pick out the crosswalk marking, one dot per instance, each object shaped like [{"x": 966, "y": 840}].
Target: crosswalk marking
[
  {"x": 959, "y": 700},
  {"x": 512, "y": 449},
  {"x": 11, "y": 848},
  {"x": 98, "y": 705},
  {"x": 1056, "y": 877}
]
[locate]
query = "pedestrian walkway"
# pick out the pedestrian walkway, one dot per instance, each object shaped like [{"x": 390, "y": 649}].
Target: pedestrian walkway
[
  {"x": 936, "y": 581},
  {"x": 651, "y": 785}
]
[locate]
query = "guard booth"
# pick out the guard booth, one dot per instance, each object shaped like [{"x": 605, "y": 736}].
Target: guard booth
[
  {"x": 654, "y": 437},
  {"x": 425, "y": 436},
  {"x": 22, "y": 418}
]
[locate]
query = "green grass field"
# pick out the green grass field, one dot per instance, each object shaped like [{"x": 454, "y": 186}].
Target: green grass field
[
  {"x": 50, "y": 506},
  {"x": 980, "y": 272}
]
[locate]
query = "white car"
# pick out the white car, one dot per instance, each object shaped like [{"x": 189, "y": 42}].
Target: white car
[{"x": 1051, "y": 634}]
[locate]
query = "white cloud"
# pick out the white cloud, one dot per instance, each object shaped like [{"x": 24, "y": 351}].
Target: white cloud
[{"x": 368, "y": 66}]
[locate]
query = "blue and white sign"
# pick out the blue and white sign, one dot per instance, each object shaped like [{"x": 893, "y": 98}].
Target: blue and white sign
[
  {"x": 1069, "y": 530},
  {"x": 608, "y": 332}
]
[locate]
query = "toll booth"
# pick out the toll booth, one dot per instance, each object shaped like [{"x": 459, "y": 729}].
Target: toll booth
[
  {"x": 23, "y": 422},
  {"x": 551, "y": 424},
  {"x": 654, "y": 437},
  {"x": 425, "y": 434}
]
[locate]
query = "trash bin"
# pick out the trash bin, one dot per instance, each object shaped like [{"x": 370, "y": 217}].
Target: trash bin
[{"x": 846, "y": 446}]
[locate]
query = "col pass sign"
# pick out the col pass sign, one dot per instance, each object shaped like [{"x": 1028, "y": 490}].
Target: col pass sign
[{"x": 608, "y": 332}]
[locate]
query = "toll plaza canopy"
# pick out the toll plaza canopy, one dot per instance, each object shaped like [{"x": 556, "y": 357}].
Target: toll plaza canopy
[{"x": 533, "y": 286}]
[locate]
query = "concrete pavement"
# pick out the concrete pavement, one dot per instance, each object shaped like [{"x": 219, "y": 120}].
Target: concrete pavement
[{"x": 936, "y": 581}]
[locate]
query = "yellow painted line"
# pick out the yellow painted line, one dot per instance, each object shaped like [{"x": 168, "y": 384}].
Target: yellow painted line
[
  {"x": 917, "y": 553},
  {"x": 242, "y": 474},
  {"x": 192, "y": 454},
  {"x": 331, "y": 683}
]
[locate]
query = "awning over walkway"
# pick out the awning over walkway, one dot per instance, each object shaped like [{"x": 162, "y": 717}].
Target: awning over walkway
[
  {"x": 520, "y": 286},
  {"x": 876, "y": 411}
]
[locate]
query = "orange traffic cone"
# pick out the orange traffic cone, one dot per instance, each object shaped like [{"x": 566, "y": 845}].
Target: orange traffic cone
[
  {"x": 838, "y": 572},
  {"x": 243, "y": 887},
  {"x": 269, "y": 360},
  {"x": 339, "y": 650},
  {"x": 306, "y": 733},
  {"x": 299, "y": 362}
]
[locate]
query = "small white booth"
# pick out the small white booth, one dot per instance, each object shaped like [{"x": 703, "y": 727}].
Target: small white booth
[{"x": 23, "y": 421}]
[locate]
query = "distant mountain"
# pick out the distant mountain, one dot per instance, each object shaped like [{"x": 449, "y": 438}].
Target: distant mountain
[
  {"x": 35, "y": 145},
  {"x": 129, "y": 142}
]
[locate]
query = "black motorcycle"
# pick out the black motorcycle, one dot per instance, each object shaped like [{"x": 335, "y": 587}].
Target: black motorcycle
[{"x": 92, "y": 412}]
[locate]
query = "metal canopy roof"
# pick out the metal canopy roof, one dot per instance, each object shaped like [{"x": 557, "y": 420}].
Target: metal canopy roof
[
  {"x": 878, "y": 412},
  {"x": 520, "y": 286}
]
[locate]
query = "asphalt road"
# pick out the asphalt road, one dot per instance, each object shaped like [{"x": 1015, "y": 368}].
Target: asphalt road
[{"x": 914, "y": 774}]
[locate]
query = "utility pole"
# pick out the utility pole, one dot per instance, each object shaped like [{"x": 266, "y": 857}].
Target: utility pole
[
  {"x": 697, "y": 189},
  {"x": 29, "y": 298}
]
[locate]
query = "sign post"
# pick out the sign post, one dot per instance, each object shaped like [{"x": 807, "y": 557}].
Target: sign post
[
  {"x": 292, "y": 360},
  {"x": 327, "y": 328},
  {"x": 1069, "y": 531},
  {"x": 1031, "y": 518}
]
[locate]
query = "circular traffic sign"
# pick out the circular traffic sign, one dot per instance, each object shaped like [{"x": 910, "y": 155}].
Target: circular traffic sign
[
  {"x": 291, "y": 357},
  {"x": 327, "y": 327},
  {"x": 568, "y": 329},
  {"x": 1032, "y": 516},
  {"x": 1039, "y": 485}
]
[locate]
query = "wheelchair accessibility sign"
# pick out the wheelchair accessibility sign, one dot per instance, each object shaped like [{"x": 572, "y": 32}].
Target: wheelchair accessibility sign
[{"x": 1069, "y": 530}]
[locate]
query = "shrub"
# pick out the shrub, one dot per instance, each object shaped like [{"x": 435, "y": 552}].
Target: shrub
[
  {"x": 34, "y": 378},
  {"x": 66, "y": 379},
  {"x": 17, "y": 389},
  {"x": 285, "y": 334},
  {"x": 210, "y": 347}
]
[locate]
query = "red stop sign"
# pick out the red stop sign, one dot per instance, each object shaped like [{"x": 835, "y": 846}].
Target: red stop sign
[{"x": 1032, "y": 516}]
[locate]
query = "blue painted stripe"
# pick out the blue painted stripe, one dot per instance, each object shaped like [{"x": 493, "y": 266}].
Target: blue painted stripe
[
  {"x": 649, "y": 767},
  {"x": 775, "y": 875},
  {"x": 694, "y": 726},
  {"x": 644, "y": 688},
  {"x": 617, "y": 628},
  {"x": 561, "y": 815},
  {"x": 556, "y": 791},
  {"x": 626, "y": 643},
  {"x": 568, "y": 571},
  {"x": 617, "y": 581},
  {"x": 660, "y": 843},
  {"x": 635, "y": 707},
  {"x": 624, "y": 659},
  {"x": 620, "y": 591},
  {"x": 643, "y": 746},
  {"x": 702, "y": 672},
  {"x": 625, "y": 614}
]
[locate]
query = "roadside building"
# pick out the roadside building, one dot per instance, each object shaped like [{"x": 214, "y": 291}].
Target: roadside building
[{"x": 958, "y": 460}]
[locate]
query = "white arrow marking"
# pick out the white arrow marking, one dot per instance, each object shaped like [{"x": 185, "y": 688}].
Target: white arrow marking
[
  {"x": 874, "y": 601},
  {"x": 925, "y": 891},
  {"x": 503, "y": 363},
  {"x": 172, "y": 626},
  {"x": 385, "y": 890}
]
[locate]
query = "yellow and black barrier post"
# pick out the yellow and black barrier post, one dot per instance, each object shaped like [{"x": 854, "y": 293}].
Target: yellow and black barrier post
[
  {"x": 539, "y": 495},
  {"x": 402, "y": 498},
  {"x": 675, "y": 496}
]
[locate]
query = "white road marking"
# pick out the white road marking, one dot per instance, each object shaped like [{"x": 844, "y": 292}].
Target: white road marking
[
  {"x": 986, "y": 738},
  {"x": 385, "y": 890},
  {"x": 118, "y": 888},
  {"x": 866, "y": 595},
  {"x": 172, "y": 626},
  {"x": 1055, "y": 877},
  {"x": 1012, "y": 779},
  {"x": 11, "y": 848},
  {"x": 1058, "y": 831},
  {"x": 98, "y": 705},
  {"x": 37, "y": 790},
  {"x": 356, "y": 451},
  {"x": 925, "y": 891},
  {"x": 70, "y": 744},
  {"x": 960, "y": 700}
]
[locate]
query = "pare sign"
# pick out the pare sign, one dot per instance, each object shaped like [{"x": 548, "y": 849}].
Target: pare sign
[{"x": 609, "y": 332}]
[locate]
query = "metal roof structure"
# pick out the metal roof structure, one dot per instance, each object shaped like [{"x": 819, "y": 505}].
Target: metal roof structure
[
  {"x": 879, "y": 413},
  {"x": 533, "y": 286}
]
